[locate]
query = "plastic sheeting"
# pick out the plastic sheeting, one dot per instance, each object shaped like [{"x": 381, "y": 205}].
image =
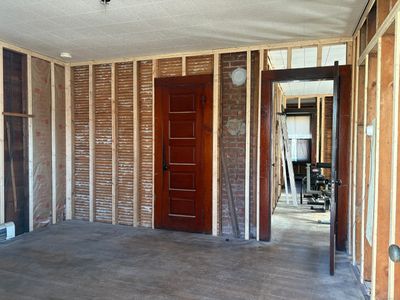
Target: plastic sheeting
[
  {"x": 42, "y": 179},
  {"x": 59, "y": 130}
]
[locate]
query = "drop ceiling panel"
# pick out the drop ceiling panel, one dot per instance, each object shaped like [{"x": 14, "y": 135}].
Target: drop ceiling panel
[{"x": 135, "y": 27}]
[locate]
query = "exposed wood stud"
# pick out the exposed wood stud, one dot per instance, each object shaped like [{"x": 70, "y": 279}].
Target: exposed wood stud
[
  {"x": 183, "y": 65},
  {"x": 322, "y": 129},
  {"x": 247, "y": 150},
  {"x": 261, "y": 69},
  {"x": 91, "y": 146},
  {"x": 2, "y": 206},
  {"x": 114, "y": 142},
  {"x": 215, "y": 163},
  {"x": 318, "y": 128},
  {"x": 31, "y": 53},
  {"x": 376, "y": 179},
  {"x": 394, "y": 158},
  {"x": 68, "y": 143},
  {"x": 154, "y": 73},
  {"x": 53, "y": 146},
  {"x": 380, "y": 32},
  {"x": 272, "y": 46},
  {"x": 289, "y": 58},
  {"x": 30, "y": 140},
  {"x": 353, "y": 188},
  {"x": 364, "y": 161},
  {"x": 136, "y": 148},
  {"x": 319, "y": 55}
]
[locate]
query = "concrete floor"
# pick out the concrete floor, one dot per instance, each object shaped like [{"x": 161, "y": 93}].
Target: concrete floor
[{"x": 79, "y": 260}]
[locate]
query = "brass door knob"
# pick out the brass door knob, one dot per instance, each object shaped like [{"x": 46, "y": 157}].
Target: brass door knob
[{"x": 394, "y": 253}]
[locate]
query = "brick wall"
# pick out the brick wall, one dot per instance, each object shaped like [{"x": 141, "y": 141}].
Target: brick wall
[{"x": 233, "y": 139}]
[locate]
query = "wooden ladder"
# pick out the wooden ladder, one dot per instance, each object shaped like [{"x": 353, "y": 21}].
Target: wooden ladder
[{"x": 287, "y": 156}]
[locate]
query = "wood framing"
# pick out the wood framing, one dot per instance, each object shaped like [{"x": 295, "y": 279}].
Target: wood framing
[
  {"x": 30, "y": 140},
  {"x": 53, "y": 146},
  {"x": 247, "y": 149},
  {"x": 394, "y": 162},
  {"x": 68, "y": 144},
  {"x": 215, "y": 150},
  {"x": 136, "y": 148},
  {"x": 91, "y": 146},
  {"x": 114, "y": 162},
  {"x": 261, "y": 69}
]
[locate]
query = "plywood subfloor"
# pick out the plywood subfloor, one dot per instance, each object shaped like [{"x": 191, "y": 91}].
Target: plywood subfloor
[{"x": 80, "y": 260}]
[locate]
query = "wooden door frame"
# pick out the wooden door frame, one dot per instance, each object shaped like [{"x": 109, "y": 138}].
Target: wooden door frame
[
  {"x": 196, "y": 80},
  {"x": 267, "y": 105}
]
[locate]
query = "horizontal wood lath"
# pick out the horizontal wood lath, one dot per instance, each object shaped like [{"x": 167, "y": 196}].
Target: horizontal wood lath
[
  {"x": 103, "y": 142},
  {"x": 80, "y": 92},
  {"x": 197, "y": 65},
  {"x": 169, "y": 67},
  {"x": 124, "y": 99},
  {"x": 145, "y": 96}
]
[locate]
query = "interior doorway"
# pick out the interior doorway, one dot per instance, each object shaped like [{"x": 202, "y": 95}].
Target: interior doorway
[
  {"x": 183, "y": 153},
  {"x": 305, "y": 152}
]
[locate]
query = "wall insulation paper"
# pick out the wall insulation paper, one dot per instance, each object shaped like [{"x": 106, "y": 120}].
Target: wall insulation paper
[
  {"x": 103, "y": 142},
  {"x": 59, "y": 130},
  {"x": 124, "y": 95},
  {"x": 41, "y": 125}
]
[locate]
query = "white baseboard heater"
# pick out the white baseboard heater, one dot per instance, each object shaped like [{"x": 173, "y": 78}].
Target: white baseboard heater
[{"x": 7, "y": 231}]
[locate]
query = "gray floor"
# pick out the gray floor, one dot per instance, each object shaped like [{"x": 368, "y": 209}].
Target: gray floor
[{"x": 78, "y": 260}]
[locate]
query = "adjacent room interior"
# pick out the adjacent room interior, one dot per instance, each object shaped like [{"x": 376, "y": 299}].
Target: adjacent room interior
[{"x": 187, "y": 149}]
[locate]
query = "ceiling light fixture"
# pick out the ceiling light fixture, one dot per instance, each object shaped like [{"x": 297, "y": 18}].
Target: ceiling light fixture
[
  {"x": 66, "y": 55},
  {"x": 105, "y": 2}
]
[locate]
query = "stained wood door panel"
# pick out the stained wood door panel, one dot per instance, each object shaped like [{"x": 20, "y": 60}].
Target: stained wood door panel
[{"x": 183, "y": 160}]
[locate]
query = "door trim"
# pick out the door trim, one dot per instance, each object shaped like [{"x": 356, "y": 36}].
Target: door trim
[
  {"x": 318, "y": 73},
  {"x": 195, "y": 80}
]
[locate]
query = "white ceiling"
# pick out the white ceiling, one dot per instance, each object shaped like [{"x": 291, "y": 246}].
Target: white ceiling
[
  {"x": 139, "y": 27},
  {"x": 306, "y": 88}
]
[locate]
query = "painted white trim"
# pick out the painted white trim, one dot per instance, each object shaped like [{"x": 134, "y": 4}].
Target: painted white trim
[{"x": 215, "y": 162}]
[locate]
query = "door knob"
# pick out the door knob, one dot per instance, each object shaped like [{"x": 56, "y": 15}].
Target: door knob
[{"x": 394, "y": 253}]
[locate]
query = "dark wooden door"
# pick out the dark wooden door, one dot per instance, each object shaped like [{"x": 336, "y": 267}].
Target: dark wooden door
[{"x": 183, "y": 153}]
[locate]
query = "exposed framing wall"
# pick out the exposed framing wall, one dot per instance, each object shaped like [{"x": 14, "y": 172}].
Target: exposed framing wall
[
  {"x": 34, "y": 152},
  {"x": 376, "y": 96},
  {"x": 203, "y": 62}
]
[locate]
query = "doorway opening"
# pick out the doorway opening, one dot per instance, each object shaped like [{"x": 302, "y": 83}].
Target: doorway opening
[{"x": 302, "y": 120}]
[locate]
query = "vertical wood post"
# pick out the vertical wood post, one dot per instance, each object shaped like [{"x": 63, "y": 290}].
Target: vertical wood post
[
  {"x": 114, "y": 139},
  {"x": 247, "y": 150},
  {"x": 136, "y": 148},
  {"x": 68, "y": 143},
  {"x": 215, "y": 161},
  {"x": 53, "y": 146},
  {"x": 2, "y": 205},
  {"x": 30, "y": 140},
  {"x": 91, "y": 146}
]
